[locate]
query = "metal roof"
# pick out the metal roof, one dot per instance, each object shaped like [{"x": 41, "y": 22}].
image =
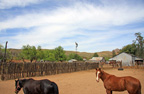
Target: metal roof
[
  {"x": 97, "y": 58},
  {"x": 137, "y": 58}
]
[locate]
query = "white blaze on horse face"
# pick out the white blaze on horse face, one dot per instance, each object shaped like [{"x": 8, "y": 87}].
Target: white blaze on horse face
[{"x": 97, "y": 77}]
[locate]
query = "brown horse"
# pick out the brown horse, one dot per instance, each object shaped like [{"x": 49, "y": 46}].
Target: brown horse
[{"x": 113, "y": 83}]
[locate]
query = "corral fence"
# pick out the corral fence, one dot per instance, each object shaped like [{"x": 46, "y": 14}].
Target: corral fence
[{"x": 21, "y": 70}]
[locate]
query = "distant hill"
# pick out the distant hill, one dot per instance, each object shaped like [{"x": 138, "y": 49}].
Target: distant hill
[
  {"x": 107, "y": 54},
  {"x": 82, "y": 54},
  {"x": 87, "y": 55},
  {"x": 117, "y": 51}
]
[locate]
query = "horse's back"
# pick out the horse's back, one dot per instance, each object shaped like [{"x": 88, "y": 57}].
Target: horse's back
[
  {"x": 32, "y": 86},
  {"x": 114, "y": 83},
  {"x": 39, "y": 87},
  {"x": 133, "y": 81}
]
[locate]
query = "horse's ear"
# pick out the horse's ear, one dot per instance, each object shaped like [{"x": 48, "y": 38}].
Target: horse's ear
[
  {"x": 96, "y": 69},
  {"x": 100, "y": 69}
]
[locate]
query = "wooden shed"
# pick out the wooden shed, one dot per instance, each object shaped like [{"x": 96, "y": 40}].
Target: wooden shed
[{"x": 127, "y": 59}]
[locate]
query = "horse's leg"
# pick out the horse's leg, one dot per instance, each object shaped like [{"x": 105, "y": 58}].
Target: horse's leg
[{"x": 109, "y": 91}]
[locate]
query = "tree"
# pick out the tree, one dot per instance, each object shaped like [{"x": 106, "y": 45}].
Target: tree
[
  {"x": 59, "y": 54},
  {"x": 130, "y": 48},
  {"x": 1, "y": 51},
  {"x": 75, "y": 56},
  {"x": 49, "y": 55},
  {"x": 136, "y": 48},
  {"x": 139, "y": 42},
  {"x": 29, "y": 52},
  {"x": 113, "y": 53},
  {"x": 1, "y": 47},
  {"x": 95, "y": 55},
  {"x": 40, "y": 53}
]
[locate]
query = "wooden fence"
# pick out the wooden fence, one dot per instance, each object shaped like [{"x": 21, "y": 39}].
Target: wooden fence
[{"x": 20, "y": 70}]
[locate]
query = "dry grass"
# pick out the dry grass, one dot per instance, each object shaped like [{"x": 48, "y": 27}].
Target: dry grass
[{"x": 83, "y": 82}]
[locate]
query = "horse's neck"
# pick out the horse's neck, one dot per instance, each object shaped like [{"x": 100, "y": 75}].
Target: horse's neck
[
  {"x": 24, "y": 81},
  {"x": 104, "y": 75}
]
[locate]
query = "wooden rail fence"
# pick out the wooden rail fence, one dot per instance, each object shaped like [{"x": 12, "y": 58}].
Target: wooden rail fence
[{"x": 20, "y": 70}]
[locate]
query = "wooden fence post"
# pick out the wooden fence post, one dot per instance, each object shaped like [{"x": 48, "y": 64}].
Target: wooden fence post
[{"x": 2, "y": 70}]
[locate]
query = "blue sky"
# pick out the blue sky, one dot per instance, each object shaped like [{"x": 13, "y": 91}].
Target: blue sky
[{"x": 96, "y": 25}]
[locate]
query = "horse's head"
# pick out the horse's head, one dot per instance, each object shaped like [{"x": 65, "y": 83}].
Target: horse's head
[
  {"x": 17, "y": 86},
  {"x": 98, "y": 74}
]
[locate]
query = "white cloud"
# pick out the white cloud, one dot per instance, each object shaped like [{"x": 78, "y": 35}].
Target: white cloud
[
  {"x": 6, "y": 4},
  {"x": 66, "y": 25},
  {"x": 81, "y": 15}
]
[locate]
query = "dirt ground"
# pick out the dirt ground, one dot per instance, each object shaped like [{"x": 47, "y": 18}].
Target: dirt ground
[{"x": 83, "y": 82}]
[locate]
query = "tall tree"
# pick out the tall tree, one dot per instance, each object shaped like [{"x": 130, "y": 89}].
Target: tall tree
[
  {"x": 60, "y": 54},
  {"x": 139, "y": 42},
  {"x": 130, "y": 48},
  {"x": 29, "y": 52},
  {"x": 40, "y": 53},
  {"x": 49, "y": 55}
]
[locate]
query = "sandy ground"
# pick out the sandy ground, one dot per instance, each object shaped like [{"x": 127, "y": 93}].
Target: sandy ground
[{"x": 83, "y": 82}]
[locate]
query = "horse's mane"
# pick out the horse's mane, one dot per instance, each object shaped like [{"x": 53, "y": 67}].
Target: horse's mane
[
  {"x": 22, "y": 82},
  {"x": 103, "y": 72},
  {"x": 105, "y": 75},
  {"x": 30, "y": 79}
]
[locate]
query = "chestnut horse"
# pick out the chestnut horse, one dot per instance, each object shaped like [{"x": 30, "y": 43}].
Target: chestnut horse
[{"x": 113, "y": 83}]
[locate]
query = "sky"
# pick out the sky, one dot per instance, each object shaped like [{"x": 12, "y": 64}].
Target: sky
[{"x": 96, "y": 25}]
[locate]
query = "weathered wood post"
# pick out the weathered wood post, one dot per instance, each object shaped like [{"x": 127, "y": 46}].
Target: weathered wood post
[
  {"x": 5, "y": 57},
  {"x": 120, "y": 66},
  {"x": 3, "y": 61}
]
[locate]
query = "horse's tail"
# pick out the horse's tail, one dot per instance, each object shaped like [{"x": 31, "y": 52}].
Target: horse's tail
[{"x": 56, "y": 91}]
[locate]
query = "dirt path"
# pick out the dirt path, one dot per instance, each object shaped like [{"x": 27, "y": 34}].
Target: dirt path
[{"x": 83, "y": 82}]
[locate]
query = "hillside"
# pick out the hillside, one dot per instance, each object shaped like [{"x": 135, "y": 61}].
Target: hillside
[
  {"x": 87, "y": 55},
  {"x": 107, "y": 54}
]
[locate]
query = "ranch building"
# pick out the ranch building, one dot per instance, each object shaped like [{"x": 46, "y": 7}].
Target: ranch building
[
  {"x": 97, "y": 59},
  {"x": 127, "y": 59},
  {"x": 72, "y": 60}
]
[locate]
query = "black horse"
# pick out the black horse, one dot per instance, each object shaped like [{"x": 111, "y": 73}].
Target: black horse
[{"x": 31, "y": 86}]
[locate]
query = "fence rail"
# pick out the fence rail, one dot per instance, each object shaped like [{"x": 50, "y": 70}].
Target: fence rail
[{"x": 20, "y": 70}]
